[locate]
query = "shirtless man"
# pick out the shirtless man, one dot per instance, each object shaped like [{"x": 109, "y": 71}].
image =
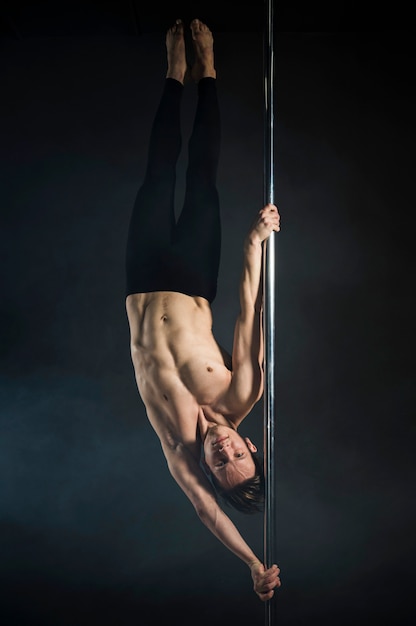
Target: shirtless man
[{"x": 195, "y": 394}]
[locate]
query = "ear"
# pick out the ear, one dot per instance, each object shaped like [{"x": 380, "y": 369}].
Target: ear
[
  {"x": 205, "y": 466},
  {"x": 250, "y": 445}
]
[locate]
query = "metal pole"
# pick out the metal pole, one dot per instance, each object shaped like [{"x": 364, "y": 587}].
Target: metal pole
[{"x": 269, "y": 283}]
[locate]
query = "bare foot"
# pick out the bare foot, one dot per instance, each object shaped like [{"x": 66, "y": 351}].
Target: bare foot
[
  {"x": 204, "y": 51},
  {"x": 175, "y": 46}
]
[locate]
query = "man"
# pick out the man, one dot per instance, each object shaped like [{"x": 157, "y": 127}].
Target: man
[{"x": 195, "y": 394}]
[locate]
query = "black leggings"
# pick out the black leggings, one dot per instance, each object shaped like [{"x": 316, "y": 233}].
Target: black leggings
[{"x": 182, "y": 256}]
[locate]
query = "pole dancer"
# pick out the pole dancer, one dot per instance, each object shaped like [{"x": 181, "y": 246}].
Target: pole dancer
[{"x": 196, "y": 394}]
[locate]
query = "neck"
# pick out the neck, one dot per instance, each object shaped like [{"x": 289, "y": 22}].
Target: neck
[{"x": 207, "y": 418}]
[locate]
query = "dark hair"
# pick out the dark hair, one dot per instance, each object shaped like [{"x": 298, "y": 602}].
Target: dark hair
[{"x": 247, "y": 497}]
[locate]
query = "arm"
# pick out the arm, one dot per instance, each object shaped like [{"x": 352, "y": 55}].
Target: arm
[
  {"x": 190, "y": 477},
  {"x": 247, "y": 382}
]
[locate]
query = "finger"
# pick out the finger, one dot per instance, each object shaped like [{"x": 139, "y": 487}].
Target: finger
[
  {"x": 266, "y": 596},
  {"x": 271, "y": 573},
  {"x": 269, "y": 211},
  {"x": 271, "y": 219},
  {"x": 268, "y": 583},
  {"x": 267, "y": 586}
]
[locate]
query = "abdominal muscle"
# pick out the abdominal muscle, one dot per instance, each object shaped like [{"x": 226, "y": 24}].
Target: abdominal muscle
[{"x": 179, "y": 366}]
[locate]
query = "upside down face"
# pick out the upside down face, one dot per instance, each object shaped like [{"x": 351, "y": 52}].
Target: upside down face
[{"x": 228, "y": 456}]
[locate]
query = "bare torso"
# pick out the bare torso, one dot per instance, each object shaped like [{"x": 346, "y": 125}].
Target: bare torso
[{"x": 182, "y": 373}]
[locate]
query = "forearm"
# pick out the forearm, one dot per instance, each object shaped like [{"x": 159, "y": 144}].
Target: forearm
[
  {"x": 251, "y": 277},
  {"x": 251, "y": 296},
  {"x": 265, "y": 580},
  {"x": 188, "y": 474},
  {"x": 223, "y": 528},
  {"x": 267, "y": 221}
]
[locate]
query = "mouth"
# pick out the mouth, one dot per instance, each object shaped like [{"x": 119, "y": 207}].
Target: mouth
[{"x": 214, "y": 443}]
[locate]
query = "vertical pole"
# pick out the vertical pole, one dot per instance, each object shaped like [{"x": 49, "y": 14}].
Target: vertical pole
[{"x": 269, "y": 280}]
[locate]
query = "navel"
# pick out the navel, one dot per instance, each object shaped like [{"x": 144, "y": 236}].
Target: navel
[
  {"x": 209, "y": 369},
  {"x": 165, "y": 397},
  {"x": 164, "y": 318}
]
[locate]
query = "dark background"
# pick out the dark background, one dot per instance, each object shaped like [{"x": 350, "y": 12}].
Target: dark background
[{"x": 93, "y": 528}]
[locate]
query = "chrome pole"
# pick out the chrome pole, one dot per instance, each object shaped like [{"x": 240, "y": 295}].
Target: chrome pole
[{"x": 269, "y": 298}]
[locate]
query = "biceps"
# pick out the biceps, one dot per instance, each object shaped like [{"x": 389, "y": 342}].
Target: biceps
[
  {"x": 247, "y": 340},
  {"x": 247, "y": 381},
  {"x": 248, "y": 384}
]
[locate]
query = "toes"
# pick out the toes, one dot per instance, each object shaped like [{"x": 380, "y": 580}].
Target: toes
[
  {"x": 194, "y": 26},
  {"x": 198, "y": 26}
]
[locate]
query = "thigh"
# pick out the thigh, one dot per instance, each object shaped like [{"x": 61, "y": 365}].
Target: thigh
[
  {"x": 149, "y": 236},
  {"x": 197, "y": 242}
]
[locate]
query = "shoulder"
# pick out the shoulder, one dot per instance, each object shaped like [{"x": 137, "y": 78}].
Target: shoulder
[{"x": 243, "y": 393}]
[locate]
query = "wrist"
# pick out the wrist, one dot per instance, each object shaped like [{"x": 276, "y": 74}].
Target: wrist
[{"x": 253, "y": 242}]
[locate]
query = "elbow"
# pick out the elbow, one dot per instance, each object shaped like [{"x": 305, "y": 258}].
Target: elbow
[
  {"x": 199, "y": 505},
  {"x": 258, "y": 397},
  {"x": 261, "y": 386},
  {"x": 258, "y": 386},
  {"x": 206, "y": 513},
  {"x": 201, "y": 512}
]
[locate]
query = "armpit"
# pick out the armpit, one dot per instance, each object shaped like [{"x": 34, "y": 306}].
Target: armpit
[{"x": 228, "y": 361}]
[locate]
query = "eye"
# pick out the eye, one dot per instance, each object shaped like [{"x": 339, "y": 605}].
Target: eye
[
  {"x": 219, "y": 464},
  {"x": 239, "y": 455}
]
